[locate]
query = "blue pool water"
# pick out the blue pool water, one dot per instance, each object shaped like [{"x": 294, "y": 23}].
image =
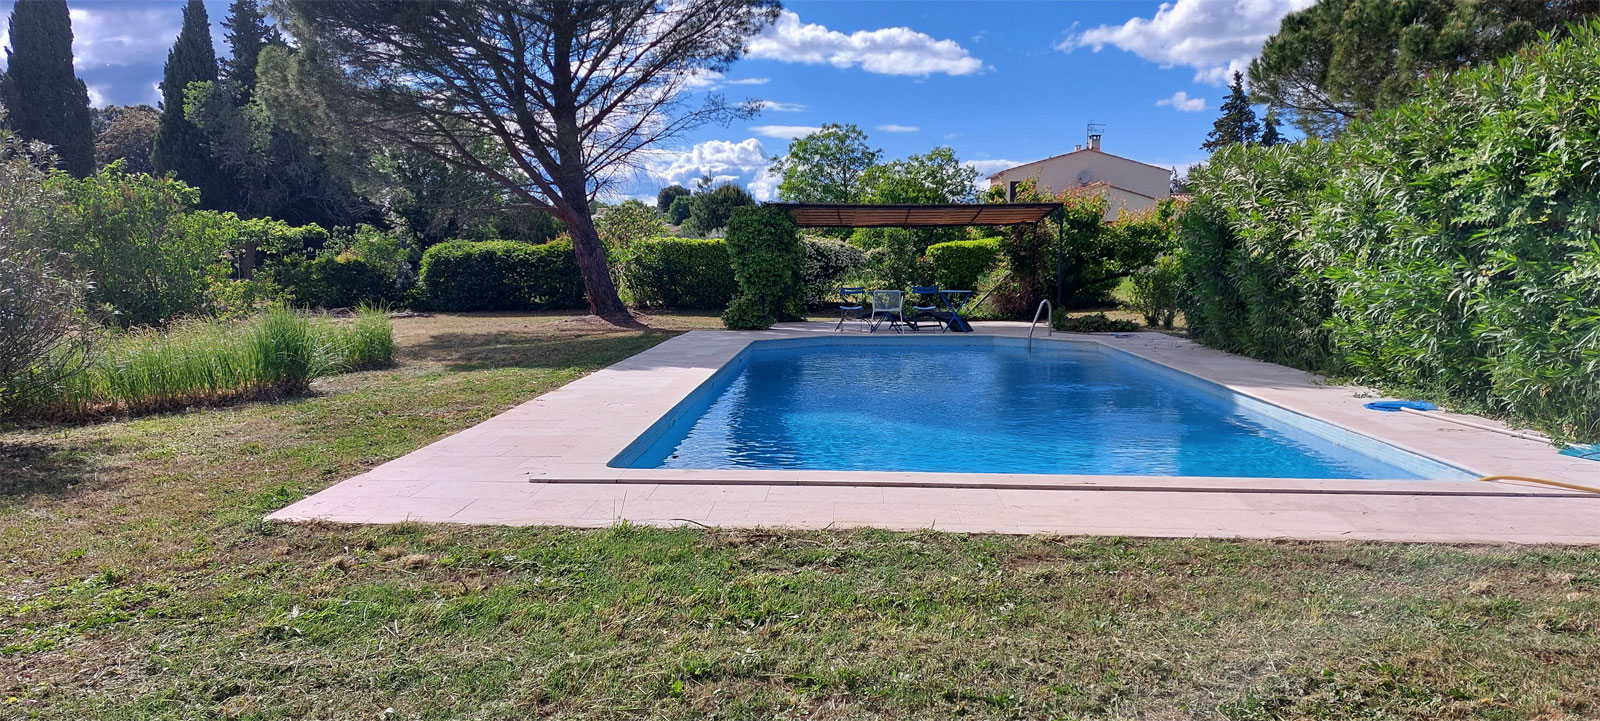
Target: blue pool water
[{"x": 925, "y": 406}]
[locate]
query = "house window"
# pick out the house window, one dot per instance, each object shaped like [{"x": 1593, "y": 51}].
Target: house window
[{"x": 1011, "y": 191}]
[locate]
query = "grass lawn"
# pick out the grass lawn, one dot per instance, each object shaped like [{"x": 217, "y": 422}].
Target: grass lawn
[{"x": 139, "y": 581}]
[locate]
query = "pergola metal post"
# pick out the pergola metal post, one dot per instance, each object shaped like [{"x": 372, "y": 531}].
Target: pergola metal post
[{"x": 1061, "y": 253}]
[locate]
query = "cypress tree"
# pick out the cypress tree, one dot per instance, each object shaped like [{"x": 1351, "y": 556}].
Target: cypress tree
[
  {"x": 181, "y": 147},
  {"x": 248, "y": 32},
  {"x": 44, "y": 98},
  {"x": 1238, "y": 122}
]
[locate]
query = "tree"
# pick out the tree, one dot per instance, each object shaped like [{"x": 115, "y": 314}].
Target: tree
[
  {"x": 248, "y": 33},
  {"x": 46, "y": 100},
  {"x": 126, "y": 133},
  {"x": 681, "y": 207},
  {"x": 1238, "y": 125},
  {"x": 626, "y": 224},
  {"x": 710, "y": 211},
  {"x": 1340, "y": 60},
  {"x": 180, "y": 147},
  {"x": 934, "y": 177},
  {"x": 668, "y": 194},
  {"x": 569, "y": 93},
  {"x": 1269, "y": 132},
  {"x": 826, "y": 166}
]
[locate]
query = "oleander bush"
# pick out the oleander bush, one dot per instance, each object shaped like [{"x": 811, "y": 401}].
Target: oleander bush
[
  {"x": 764, "y": 249},
  {"x": 460, "y": 275},
  {"x": 960, "y": 264},
  {"x": 1153, "y": 290},
  {"x": 1449, "y": 246},
  {"x": 679, "y": 273},
  {"x": 208, "y": 361}
]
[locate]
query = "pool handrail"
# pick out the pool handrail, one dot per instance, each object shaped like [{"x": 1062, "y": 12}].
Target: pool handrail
[{"x": 1052, "y": 329}]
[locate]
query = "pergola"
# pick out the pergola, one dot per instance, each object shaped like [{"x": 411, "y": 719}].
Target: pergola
[{"x": 939, "y": 215}]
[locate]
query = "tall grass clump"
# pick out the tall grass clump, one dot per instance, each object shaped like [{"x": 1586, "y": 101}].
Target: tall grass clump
[
  {"x": 1448, "y": 247},
  {"x": 206, "y": 362}
]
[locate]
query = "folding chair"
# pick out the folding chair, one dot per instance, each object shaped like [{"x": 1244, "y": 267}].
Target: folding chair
[
  {"x": 927, "y": 313},
  {"x": 886, "y": 305},
  {"x": 852, "y": 307}
]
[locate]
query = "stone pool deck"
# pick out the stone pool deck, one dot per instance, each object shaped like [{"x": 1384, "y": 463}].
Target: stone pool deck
[{"x": 544, "y": 463}]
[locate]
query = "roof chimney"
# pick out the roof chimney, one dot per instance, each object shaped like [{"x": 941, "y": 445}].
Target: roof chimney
[
  {"x": 1094, "y": 141},
  {"x": 1095, "y": 131}
]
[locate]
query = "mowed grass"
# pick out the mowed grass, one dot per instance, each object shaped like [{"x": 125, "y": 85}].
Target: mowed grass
[{"x": 140, "y": 582}]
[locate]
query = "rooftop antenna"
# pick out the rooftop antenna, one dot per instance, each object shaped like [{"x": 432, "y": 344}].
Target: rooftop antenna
[{"x": 1096, "y": 130}]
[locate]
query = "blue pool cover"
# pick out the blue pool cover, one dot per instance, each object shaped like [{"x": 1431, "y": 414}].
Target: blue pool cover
[{"x": 992, "y": 409}]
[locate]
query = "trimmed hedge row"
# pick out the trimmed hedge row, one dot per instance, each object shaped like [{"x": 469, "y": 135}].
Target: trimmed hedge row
[
  {"x": 1449, "y": 247},
  {"x": 960, "y": 264},
  {"x": 460, "y": 275},
  {"x": 680, "y": 273}
]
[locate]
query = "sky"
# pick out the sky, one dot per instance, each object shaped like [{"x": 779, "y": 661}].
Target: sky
[{"x": 1000, "y": 82}]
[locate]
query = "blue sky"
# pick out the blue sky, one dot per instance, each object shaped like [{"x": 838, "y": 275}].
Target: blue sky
[{"x": 1001, "y": 82}]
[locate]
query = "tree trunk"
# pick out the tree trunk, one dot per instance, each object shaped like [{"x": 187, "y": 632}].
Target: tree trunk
[{"x": 603, "y": 298}]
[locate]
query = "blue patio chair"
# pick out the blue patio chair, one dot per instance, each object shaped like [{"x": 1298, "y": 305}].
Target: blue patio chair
[
  {"x": 853, "y": 306},
  {"x": 932, "y": 313},
  {"x": 887, "y": 305}
]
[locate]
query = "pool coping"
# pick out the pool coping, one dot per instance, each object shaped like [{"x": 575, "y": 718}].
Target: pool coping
[{"x": 570, "y": 435}]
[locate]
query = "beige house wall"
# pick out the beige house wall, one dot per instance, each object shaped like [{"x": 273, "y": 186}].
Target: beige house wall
[{"x": 1132, "y": 185}]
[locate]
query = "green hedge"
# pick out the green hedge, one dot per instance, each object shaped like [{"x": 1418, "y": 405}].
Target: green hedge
[
  {"x": 824, "y": 261},
  {"x": 766, "y": 256},
  {"x": 680, "y": 273},
  {"x": 960, "y": 264},
  {"x": 1449, "y": 247},
  {"x": 459, "y": 275}
]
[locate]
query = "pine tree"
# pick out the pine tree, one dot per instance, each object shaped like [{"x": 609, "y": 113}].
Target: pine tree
[
  {"x": 1269, "y": 132},
  {"x": 181, "y": 147},
  {"x": 1238, "y": 122},
  {"x": 248, "y": 32},
  {"x": 45, "y": 100}
]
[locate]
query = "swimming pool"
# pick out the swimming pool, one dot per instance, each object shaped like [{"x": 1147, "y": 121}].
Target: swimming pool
[{"x": 990, "y": 405}]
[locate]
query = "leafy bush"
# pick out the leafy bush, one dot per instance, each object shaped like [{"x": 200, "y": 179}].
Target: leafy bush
[
  {"x": 41, "y": 322},
  {"x": 150, "y": 256},
  {"x": 1062, "y": 320},
  {"x": 679, "y": 210},
  {"x": 196, "y": 362},
  {"x": 1447, "y": 246},
  {"x": 823, "y": 262},
  {"x": 766, "y": 257},
  {"x": 960, "y": 264},
  {"x": 680, "y": 273},
  {"x": 458, "y": 275},
  {"x": 1154, "y": 290},
  {"x": 713, "y": 209}
]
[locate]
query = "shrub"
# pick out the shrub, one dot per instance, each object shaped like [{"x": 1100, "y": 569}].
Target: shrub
[
  {"x": 713, "y": 209},
  {"x": 766, "y": 256},
  {"x": 41, "y": 324},
  {"x": 150, "y": 257},
  {"x": 458, "y": 275},
  {"x": 1154, "y": 291},
  {"x": 960, "y": 264},
  {"x": 196, "y": 362},
  {"x": 680, "y": 273},
  {"x": 1446, "y": 246},
  {"x": 823, "y": 263},
  {"x": 679, "y": 210},
  {"x": 1061, "y": 320}
]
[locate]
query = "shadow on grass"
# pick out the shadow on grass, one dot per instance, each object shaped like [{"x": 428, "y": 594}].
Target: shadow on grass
[
  {"x": 33, "y": 468},
  {"x": 487, "y": 351}
]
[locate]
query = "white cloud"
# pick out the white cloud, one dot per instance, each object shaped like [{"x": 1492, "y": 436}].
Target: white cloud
[
  {"x": 778, "y": 107},
  {"x": 786, "y": 132},
  {"x": 889, "y": 51},
  {"x": 1182, "y": 102},
  {"x": 987, "y": 168},
  {"x": 97, "y": 96},
  {"x": 750, "y": 81},
  {"x": 744, "y": 163},
  {"x": 1215, "y": 37},
  {"x": 110, "y": 35},
  {"x": 893, "y": 128}
]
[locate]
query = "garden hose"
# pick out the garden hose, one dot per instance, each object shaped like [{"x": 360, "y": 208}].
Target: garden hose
[{"x": 1558, "y": 484}]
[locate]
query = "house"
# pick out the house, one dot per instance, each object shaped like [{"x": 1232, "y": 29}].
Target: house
[{"x": 1125, "y": 183}]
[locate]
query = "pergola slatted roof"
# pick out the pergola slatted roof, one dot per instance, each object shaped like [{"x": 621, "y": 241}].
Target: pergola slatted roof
[{"x": 947, "y": 215}]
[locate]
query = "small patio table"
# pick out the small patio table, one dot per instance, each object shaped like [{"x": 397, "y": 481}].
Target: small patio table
[{"x": 953, "y": 301}]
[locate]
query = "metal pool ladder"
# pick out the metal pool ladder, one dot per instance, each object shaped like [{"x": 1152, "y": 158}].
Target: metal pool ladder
[{"x": 1049, "y": 328}]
